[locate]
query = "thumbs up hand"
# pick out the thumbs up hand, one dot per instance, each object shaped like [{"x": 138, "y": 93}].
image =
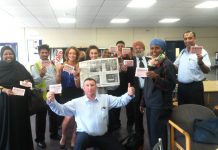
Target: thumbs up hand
[
  {"x": 131, "y": 90},
  {"x": 50, "y": 96}
]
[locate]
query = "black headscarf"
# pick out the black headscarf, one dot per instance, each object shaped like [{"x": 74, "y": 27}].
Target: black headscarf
[{"x": 13, "y": 72}]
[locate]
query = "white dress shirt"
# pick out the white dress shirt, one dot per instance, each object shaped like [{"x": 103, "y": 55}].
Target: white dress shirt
[
  {"x": 91, "y": 115},
  {"x": 188, "y": 68},
  {"x": 141, "y": 80}
]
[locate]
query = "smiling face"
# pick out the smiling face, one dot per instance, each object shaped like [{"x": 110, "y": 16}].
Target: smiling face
[
  {"x": 8, "y": 56},
  {"x": 93, "y": 54},
  {"x": 189, "y": 39},
  {"x": 72, "y": 55},
  {"x": 106, "y": 53},
  {"x": 155, "y": 50},
  {"x": 43, "y": 54}
]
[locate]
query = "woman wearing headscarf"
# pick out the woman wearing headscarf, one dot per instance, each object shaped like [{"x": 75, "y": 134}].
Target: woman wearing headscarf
[
  {"x": 158, "y": 88},
  {"x": 15, "y": 129}
]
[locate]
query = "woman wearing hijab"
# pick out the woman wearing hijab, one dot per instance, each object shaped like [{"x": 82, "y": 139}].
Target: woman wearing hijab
[
  {"x": 158, "y": 88},
  {"x": 15, "y": 129}
]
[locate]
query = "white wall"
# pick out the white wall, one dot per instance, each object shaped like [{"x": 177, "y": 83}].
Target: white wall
[
  {"x": 15, "y": 35},
  {"x": 106, "y": 37}
]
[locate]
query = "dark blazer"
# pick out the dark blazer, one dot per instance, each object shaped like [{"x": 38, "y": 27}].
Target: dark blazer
[
  {"x": 158, "y": 92},
  {"x": 135, "y": 81},
  {"x": 125, "y": 78}
]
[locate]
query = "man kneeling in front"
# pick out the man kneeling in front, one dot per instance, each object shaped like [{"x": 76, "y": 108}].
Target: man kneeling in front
[{"x": 91, "y": 115}]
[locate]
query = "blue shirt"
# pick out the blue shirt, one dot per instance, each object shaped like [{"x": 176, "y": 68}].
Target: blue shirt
[
  {"x": 91, "y": 115},
  {"x": 67, "y": 80},
  {"x": 188, "y": 68}
]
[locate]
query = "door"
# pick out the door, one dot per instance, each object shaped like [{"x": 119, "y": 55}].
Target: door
[{"x": 172, "y": 47}]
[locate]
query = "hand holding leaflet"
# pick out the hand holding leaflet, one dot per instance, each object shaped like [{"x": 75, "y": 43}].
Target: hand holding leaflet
[
  {"x": 56, "y": 88},
  {"x": 141, "y": 72},
  {"x": 18, "y": 91}
]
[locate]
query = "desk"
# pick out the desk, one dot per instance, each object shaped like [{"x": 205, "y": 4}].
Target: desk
[{"x": 210, "y": 88}]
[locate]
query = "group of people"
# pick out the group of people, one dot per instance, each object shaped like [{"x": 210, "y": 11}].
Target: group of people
[{"x": 92, "y": 111}]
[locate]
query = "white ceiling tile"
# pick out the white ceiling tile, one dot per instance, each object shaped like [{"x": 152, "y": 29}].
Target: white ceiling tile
[{"x": 98, "y": 13}]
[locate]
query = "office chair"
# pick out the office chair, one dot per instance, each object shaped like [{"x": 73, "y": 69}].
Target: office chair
[{"x": 181, "y": 126}]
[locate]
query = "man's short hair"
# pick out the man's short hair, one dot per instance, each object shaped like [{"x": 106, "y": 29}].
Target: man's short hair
[
  {"x": 194, "y": 34},
  {"x": 89, "y": 79},
  {"x": 120, "y": 42},
  {"x": 44, "y": 46}
]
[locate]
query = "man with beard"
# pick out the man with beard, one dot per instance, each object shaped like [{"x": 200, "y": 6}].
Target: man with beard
[{"x": 133, "y": 113}]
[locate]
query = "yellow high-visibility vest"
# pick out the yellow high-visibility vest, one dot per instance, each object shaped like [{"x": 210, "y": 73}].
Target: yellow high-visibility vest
[{"x": 42, "y": 85}]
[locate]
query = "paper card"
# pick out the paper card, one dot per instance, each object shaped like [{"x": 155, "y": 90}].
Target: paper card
[
  {"x": 126, "y": 51},
  {"x": 68, "y": 68},
  {"x": 26, "y": 84},
  {"x": 56, "y": 88},
  {"x": 46, "y": 63},
  {"x": 128, "y": 63},
  {"x": 18, "y": 91},
  {"x": 196, "y": 49},
  {"x": 113, "y": 49},
  {"x": 141, "y": 72},
  {"x": 59, "y": 56}
]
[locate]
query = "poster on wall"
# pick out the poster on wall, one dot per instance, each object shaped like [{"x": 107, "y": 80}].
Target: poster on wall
[
  {"x": 32, "y": 47},
  {"x": 14, "y": 46}
]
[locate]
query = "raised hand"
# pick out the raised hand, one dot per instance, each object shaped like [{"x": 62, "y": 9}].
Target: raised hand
[
  {"x": 7, "y": 91},
  {"x": 50, "y": 96},
  {"x": 152, "y": 74},
  {"x": 200, "y": 58},
  {"x": 131, "y": 90},
  {"x": 43, "y": 71}
]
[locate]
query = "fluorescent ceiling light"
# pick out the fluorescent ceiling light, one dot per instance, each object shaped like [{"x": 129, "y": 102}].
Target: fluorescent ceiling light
[
  {"x": 63, "y": 4},
  {"x": 207, "y": 4},
  {"x": 141, "y": 3},
  {"x": 116, "y": 20},
  {"x": 169, "y": 20},
  {"x": 66, "y": 20}
]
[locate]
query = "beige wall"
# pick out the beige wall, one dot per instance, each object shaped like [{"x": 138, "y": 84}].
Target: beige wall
[{"x": 106, "y": 37}]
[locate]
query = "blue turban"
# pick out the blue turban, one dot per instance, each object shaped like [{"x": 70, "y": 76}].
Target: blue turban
[{"x": 160, "y": 43}]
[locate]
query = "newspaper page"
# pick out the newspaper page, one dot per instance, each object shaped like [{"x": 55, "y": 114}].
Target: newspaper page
[{"x": 105, "y": 71}]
